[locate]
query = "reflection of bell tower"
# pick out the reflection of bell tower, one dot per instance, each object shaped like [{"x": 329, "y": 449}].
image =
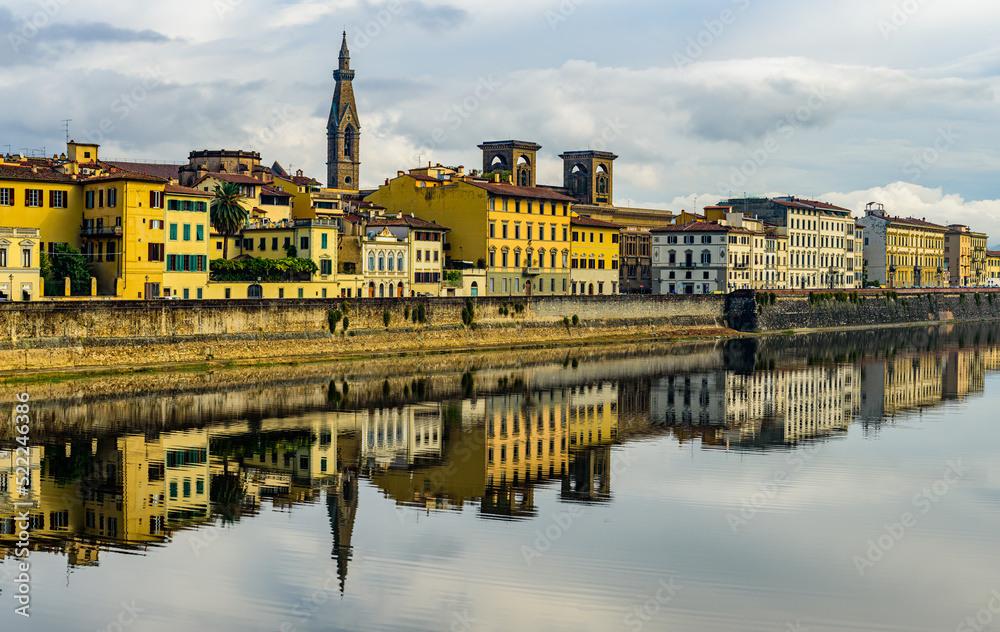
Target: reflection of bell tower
[
  {"x": 343, "y": 130},
  {"x": 342, "y": 507},
  {"x": 590, "y": 176},
  {"x": 515, "y": 156}
]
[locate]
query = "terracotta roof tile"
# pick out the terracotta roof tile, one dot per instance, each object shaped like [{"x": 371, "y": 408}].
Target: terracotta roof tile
[
  {"x": 8, "y": 172},
  {"x": 165, "y": 171},
  {"x": 590, "y": 221},
  {"x": 698, "y": 227},
  {"x": 511, "y": 190},
  {"x": 179, "y": 190},
  {"x": 409, "y": 221},
  {"x": 232, "y": 177}
]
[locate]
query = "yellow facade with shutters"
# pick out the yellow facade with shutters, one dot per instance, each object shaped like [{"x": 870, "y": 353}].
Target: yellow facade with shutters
[
  {"x": 594, "y": 249},
  {"x": 519, "y": 234},
  {"x": 188, "y": 238}
]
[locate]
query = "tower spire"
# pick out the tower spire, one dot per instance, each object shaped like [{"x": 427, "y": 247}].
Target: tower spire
[{"x": 345, "y": 55}]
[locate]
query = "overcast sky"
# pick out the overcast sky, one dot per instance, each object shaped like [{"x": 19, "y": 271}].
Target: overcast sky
[{"x": 893, "y": 101}]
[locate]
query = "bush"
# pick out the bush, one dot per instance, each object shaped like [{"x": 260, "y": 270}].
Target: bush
[
  {"x": 406, "y": 314},
  {"x": 413, "y": 316},
  {"x": 518, "y": 307},
  {"x": 333, "y": 318},
  {"x": 961, "y": 299},
  {"x": 471, "y": 307},
  {"x": 422, "y": 313},
  {"x": 386, "y": 318},
  {"x": 576, "y": 320},
  {"x": 466, "y": 317},
  {"x": 269, "y": 270},
  {"x": 566, "y": 323},
  {"x": 773, "y": 297},
  {"x": 347, "y": 324},
  {"x": 979, "y": 300},
  {"x": 345, "y": 307}
]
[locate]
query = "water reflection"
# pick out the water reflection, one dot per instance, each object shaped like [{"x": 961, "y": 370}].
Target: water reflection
[{"x": 136, "y": 472}]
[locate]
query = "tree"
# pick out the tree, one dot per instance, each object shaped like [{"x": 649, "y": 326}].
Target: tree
[
  {"x": 66, "y": 261},
  {"x": 227, "y": 215}
]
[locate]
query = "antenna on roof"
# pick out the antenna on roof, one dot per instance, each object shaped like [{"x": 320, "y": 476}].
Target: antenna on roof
[{"x": 65, "y": 123}]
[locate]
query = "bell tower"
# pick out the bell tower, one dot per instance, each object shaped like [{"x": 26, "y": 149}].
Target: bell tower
[
  {"x": 514, "y": 156},
  {"x": 589, "y": 176},
  {"x": 343, "y": 131}
]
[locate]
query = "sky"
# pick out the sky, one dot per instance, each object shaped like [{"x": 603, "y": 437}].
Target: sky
[{"x": 849, "y": 102}]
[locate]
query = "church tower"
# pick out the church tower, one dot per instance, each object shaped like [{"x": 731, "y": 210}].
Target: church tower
[{"x": 343, "y": 131}]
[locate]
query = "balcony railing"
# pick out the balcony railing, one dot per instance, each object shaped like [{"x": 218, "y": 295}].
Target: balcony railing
[{"x": 102, "y": 231}]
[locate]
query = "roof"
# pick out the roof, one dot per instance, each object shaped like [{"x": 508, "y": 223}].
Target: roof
[
  {"x": 409, "y": 221},
  {"x": 811, "y": 205},
  {"x": 179, "y": 190},
  {"x": 525, "y": 192},
  {"x": 304, "y": 180},
  {"x": 9, "y": 172},
  {"x": 993, "y": 253},
  {"x": 232, "y": 177},
  {"x": 696, "y": 227},
  {"x": 268, "y": 190},
  {"x": 165, "y": 171},
  {"x": 590, "y": 221},
  {"x": 916, "y": 222},
  {"x": 126, "y": 175}
]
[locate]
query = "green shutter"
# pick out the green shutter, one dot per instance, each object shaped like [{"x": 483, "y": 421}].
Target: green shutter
[{"x": 173, "y": 231}]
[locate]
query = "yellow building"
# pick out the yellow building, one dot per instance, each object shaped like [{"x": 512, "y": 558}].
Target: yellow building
[
  {"x": 977, "y": 270},
  {"x": 594, "y": 256},
  {"x": 188, "y": 231},
  {"x": 904, "y": 252},
  {"x": 992, "y": 268},
  {"x": 520, "y": 234},
  {"x": 313, "y": 239},
  {"x": 958, "y": 249},
  {"x": 41, "y": 198},
  {"x": 20, "y": 259}
]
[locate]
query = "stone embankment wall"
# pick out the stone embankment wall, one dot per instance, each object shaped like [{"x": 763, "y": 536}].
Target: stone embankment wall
[
  {"x": 55, "y": 335},
  {"x": 798, "y": 310}
]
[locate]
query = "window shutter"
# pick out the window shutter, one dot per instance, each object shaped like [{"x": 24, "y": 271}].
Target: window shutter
[
  {"x": 150, "y": 252},
  {"x": 152, "y": 199},
  {"x": 52, "y": 199}
]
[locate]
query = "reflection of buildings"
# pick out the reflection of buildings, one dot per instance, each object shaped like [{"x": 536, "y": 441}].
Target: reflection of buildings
[
  {"x": 760, "y": 408},
  {"x": 396, "y": 437}
]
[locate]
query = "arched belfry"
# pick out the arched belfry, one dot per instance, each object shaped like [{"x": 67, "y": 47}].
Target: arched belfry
[
  {"x": 516, "y": 156},
  {"x": 343, "y": 131},
  {"x": 589, "y": 176}
]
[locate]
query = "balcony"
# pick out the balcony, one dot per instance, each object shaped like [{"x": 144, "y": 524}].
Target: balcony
[
  {"x": 101, "y": 231},
  {"x": 532, "y": 271}
]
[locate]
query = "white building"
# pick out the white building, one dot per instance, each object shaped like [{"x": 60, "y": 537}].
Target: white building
[{"x": 690, "y": 258}]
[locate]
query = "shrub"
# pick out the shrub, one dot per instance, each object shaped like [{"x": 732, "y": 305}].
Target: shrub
[
  {"x": 518, "y": 307},
  {"x": 576, "y": 320},
  {"x": 386, "y": 318},
  {"x": 961, "y": 299},
  {"x": 345, "y": 307},
  {"x": 979, "y": 300},
  {"x": 333, "y": 318},
  {"x": 566, "y": 323},
  {"x": 347, "y": 324},
  {"x": 773, "y": 297},
  {"x": 469, "y": 305},
  {"x": 406, "y": 313},
  {"x": 466, "y": 317},
  {"x": 421, "y": 313},
  {"x": 413, "y": 316}
]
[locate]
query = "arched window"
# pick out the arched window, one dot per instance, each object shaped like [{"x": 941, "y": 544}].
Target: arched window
[
  {"x": 381, "y": 262},
  {"x": 392, "y": 264},
  {"x": 401, "y": 266},
  {"x": 349, "y": 142},
  {"x": 371, "y": 262},
  {"x": 381, "y": 290}
]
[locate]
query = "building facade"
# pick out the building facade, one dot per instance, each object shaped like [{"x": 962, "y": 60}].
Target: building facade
[
  {"x": 594, "y": 256},
  {"x": 903, "y": 252}
]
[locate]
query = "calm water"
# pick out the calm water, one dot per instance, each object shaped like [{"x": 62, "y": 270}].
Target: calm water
[{"x": 834, "y": 482}]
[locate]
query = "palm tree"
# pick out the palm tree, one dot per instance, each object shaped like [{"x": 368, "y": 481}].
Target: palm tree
[{"x": 227, "y": 215}]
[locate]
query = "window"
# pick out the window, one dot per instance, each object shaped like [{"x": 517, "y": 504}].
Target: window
[
  {"x": 25, "y": 259},
  {"x": 3, "y": 264},
  {"x": 303, "y": 243},
  {"x": 33, "y": 197},
  {"x": 493, "y": 230},
  {"x": 6, "y": 197},
  {"x": 493, "y": 259},
  {"x": 435, "y": 256},
  {"x": 517, "y": 230},
  {"x": 200, "y": 232},
  {"x": 173, "y": 232},
  {"x": 503, "y": 263},
  {"x": 371, "y": 263},
  {"x": 420, "y": 255},
  {"x": 155, "y": 252},
  {"x": 89, "y": 199},
  {"x": 326, "y": 266},
  {"x": 156, "y": 199},
  {"x": 187, "y": 232},
  {"x": 57, "y": 199},
  {"x": 323, "y": 241},
  {"x": 112, "y": 198},
  {"x": 263, "y": 244}
]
